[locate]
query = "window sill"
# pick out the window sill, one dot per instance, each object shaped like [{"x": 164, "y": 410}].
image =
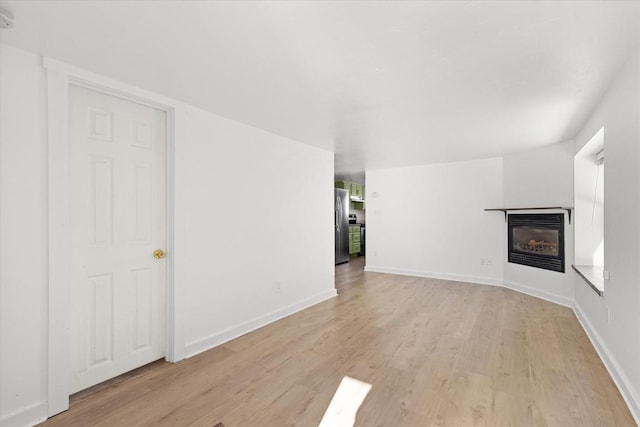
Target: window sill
[{"x": 591, "y": 274}]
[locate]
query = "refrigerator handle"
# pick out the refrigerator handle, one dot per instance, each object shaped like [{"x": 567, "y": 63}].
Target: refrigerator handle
[{"x": 338, "y": 213}]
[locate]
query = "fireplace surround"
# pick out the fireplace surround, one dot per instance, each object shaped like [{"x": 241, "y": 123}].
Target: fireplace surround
[{"x": 537, "y": 240}]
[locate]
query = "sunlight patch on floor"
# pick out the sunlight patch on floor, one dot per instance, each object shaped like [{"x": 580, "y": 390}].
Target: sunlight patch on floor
[{"x": 345, "y": 403}]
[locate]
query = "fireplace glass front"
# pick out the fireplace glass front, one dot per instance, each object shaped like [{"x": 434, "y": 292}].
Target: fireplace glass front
[{"x": 537, "y": 240}]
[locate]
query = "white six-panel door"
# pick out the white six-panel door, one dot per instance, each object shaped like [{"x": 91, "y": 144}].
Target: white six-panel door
[{"x": 117, "y": 179}]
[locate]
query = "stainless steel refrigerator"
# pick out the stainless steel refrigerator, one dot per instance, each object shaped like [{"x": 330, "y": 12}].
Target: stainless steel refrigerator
[{"x": 341, "y": 218}]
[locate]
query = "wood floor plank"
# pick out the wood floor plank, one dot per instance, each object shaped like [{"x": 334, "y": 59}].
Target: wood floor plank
[{"x": 437, "y": 353}]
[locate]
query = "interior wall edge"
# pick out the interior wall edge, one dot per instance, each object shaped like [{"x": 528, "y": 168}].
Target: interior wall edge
[{"x": 202, "y": 345}]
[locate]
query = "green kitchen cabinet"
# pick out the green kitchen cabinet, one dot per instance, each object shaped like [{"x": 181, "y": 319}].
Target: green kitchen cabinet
[
  {"x": 354, "y": 240},
  {"x": 344, "y": 184},
  {"x": 357, "y": 191}
]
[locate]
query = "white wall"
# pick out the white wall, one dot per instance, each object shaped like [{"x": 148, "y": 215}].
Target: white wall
[
  {"x": 256, "y": 209},
  {"x": 430, "y": 221},
  {"x": 613, "y": 321},
  {"x": 23, "y": 236},
  {"x": 538, "y": 178},
  {"x": 226, "y": 258}
]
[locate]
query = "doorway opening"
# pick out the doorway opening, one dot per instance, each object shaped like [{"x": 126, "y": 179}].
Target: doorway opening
[{"x": 60, "y": 78}]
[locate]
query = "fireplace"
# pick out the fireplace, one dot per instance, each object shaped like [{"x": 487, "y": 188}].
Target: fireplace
[{"x": 537, "y": 240}]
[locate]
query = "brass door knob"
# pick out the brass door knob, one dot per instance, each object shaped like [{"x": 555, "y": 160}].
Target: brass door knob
[{"x": 158, "y": 254}]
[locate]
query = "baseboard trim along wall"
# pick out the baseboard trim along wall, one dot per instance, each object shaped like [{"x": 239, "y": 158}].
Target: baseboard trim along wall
[
  {"x": 554, "y": 298},
  {"x": 31, "y": 415},
  {"x": 431, "y": 275},
  {"x": 629, "y": 393},
  {"x": 547, "y": 296},
  {"x": 625, "y": 386},
  {"x": 196, "y": 347}
]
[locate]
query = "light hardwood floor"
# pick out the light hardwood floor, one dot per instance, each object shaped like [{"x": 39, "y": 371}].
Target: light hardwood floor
[{"x": 436, "y": 352}]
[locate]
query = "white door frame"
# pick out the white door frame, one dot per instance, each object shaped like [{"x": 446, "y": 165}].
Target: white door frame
[{"x": 59, "y": 77}]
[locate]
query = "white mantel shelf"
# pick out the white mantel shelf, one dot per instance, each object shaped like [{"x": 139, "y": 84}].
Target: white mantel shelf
[{"x": 505, "y": 210}]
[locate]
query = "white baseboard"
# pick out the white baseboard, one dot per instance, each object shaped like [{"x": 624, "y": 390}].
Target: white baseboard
[
  {"x": 558, "y": 299},
  {"x": 627, "y": 390},
  {"x": 548, "y": 296},
  {"x": 29, "y": 416},
  {"x": 193, "y": 348},
  {"x": 431, "y": 275}
]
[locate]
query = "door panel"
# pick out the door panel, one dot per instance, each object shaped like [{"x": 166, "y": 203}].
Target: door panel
[
  {"x": 101, "y": 319},
  {"x": 142, "y": 202},
  {"x": 118, "y": 218},
  {"x": 142, "y": 280},
  {"x": 101, "y": 193}
]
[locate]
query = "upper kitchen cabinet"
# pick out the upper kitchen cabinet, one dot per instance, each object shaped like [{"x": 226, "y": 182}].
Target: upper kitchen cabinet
[
  {"x": 356, "y": 191},
  {"x": 344, "y": 184},
  {"x": 356, "y": 194}
]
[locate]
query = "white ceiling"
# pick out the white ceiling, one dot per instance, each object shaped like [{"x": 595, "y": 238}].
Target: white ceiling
[{"x": 384, "y": 84}]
